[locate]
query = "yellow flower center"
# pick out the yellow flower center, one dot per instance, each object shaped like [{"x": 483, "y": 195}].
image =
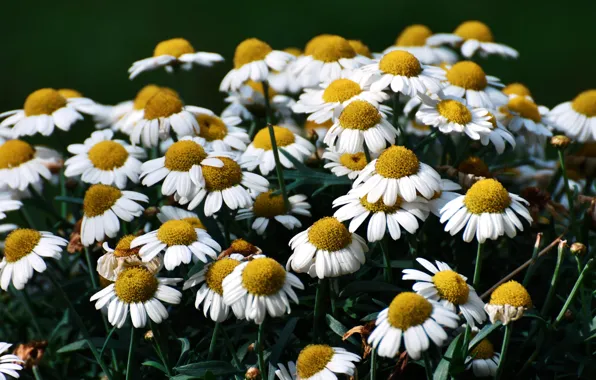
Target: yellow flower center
[
  {"x": 283, "y": 137},
  {"x": 487, "y": 195},
  {"x": 420, "y": 127},
  {"x": 468, "y": 75},
  {"x": 99, "y": 199},
  {"x": 454, "y": 111},
  {"x": 258, "y": 87},
  {"x": 341, "y": 90},
  {"x": 474, "y": 30},
  {"x": 329, "y": 234},
  {"x": 516, "y": 89},
  {"x": 407, "y": 310},
  {"x": 194, "y": 222},
  {"x": 123, "y": 247},
  {"x": 511, "y": 293},
  {"x": 250, "y": 50},
  {"x": 219, "y": 270},
  {"x": 360, "y": 115},
  {"x": 397, "y": 162},
  {"x": 243, "y": 247},
  {"x": 174, "y": 47},
  {"x": 380, "y": 206},
  {"x": 263, "y": 276},
  {"x": 315, "y": 42},
  {"x": 525, "y": 108},
  {"x": 68, "y": 93},
  {"x": 162, "y": 104},
  {"x": 183, "y": 154},
  {"x": 355, "y": 162},
  {"x": 474, "y": 165},
  {"x": 267, "y": 205},
  {"x": 585, "y": 103},
  {"x": 451, "y": 286},
  {"x": 107, "y": 155},
  {"x": 19, "y": 243},
  {"x": 14, "y": 153},
  {"x": 144, "y": 95},
  {"x": 414, "y": 35},
  {"x": 360, "y": 48},
  {"x": 176, "y": 232},
  {"x": 135, "y": 284},
  {"x": 211, "y": 127},
  {"x": 484, "y": 350},
  {"x": 332, "y": 49},
  {"x": 313, "y": 359},
  {"x": 217, "y": 179},
  {"x": 294, "y": 51},
  {"x": 402, "y": 63},
  {"x": 43, "y": 102}
]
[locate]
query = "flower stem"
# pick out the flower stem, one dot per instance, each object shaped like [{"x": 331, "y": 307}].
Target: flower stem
[
  {"x": 319, "y": 308},
  {"x": 568, "y": 192},
  {"x": 373, "y": 364},
  {"x": 213, "y": 340},
  {"x": 555, "y": 279},
  {"x": 24, "y": 298},
  {"x": 576, "y": 287},
  {"x": 36, "y": 373},
  {"x": 396, "y": 111},
  {"x": 506, "y": 339},
  {"x": 63, "y": 205},
  {"x": 530, "y": 270},
  {"x": 90, "y": 268},
  {"x": 426, "y": 140},
  {"x": 427, "y": 365},
  {"x": 261, "y": 356},
  {"x": 478, "y": 267},
  {"x": 131, "y": 353},
  {"x": 278, "y": 167},
  {"x": 385, "y": 249},
  {"x": 231, "y": 349}
]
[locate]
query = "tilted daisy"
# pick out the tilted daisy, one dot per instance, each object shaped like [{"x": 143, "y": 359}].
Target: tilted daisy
[
  {"x": 508, "y": 302},
  {"x": 473, "y": 37},
  {"x": 443, "y": 196},
  {"x": 487, "y": 211},
  {"x": 221, "y": 133},
  {"x": 261, "y": 287},
  {"x": 483, "y": 360},
  {"x": 320, "y": 362},
  {"x": 124, "y": 116},
  {"x": 24, "y": 251},
  {"x": 327, "y": 249},
  {"x": 175, "y": 213},
  {"x": 528, "y": 120},
  {"x": 467, "y": 80},
  {"x": 22, "y": 165},
  {"x": 448, "y": 287},
  {"x": 172, "y": 54},
  {"x": 253, "y": 59},
  {"x": 103, "y": 207},
  {"x": 248, "y": 102},
  {"x": 43, "y": 111},
  {"x": 382, "y": 217},
  {"x": 137, "y": 291},
  {"x": 341, "y": 164},
  {"x": 9, "y": 363},
  {"x": 413, "y": 40},
  {"x": 285, "y": 81},
  {"x": 103, "y": 160},
  {"x": 114, "y": 261},
  {"x": 268, "y": 207},
  {"x": 517, "y": 89},
  {"x": 415, "y": 319},
  {"x": 576, "y": 118}
]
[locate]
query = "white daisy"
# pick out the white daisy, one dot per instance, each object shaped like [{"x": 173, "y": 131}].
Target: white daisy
[
  {"x": 483, "y": 360},
  {"x": 221, "y": 133},
  {"x": 576, "y": 118},
  {"x": 508, "y": 303},
  {"x": 248, "y": 102},
  {"x": 443, "y": 196},
  {"x": 175, "y": 213},
  {"x": 9, "y": 363},
  {"x": 529, "y": 121},
  {"x": 517, "y": 89},
  {"x": 76, "y": 100},
  {"x": 7, "y": 203},
  {"x": 350, "y": 164},
  {"x": 114, "y": 261},
  {"x": 499, "y": 135},
  {"x": 285, "y": 81},
  {"x": 22, "y": 165},
  {"x": 320, "y": 362},
  {"x": 108, "y": 116},
  {"x": 124, "y": 115},
  {"x": 467, "y": 80},
  {"x": 413, "y": 40}
]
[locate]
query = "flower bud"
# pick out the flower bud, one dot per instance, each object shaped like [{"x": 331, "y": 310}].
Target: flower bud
[
  {"x": 560, "y": 141},
  {"x": 252, "y": 374},
  {"x": 149, "y": 336},
  {"x": 31, "y": 353},
  {"x": 577, "y": 249}
]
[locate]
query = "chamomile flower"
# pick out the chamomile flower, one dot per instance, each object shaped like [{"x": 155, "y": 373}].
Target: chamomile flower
[
  {"x": 467, "y": 80},
  {"x": 24, "y": 251},
  {"x": 413, "y": 40},
  {"x": 483, "y": 360},
  {"x": 109, "y": 116},
  {"x": 44, "y": 110},
  {"x": 260, "y": 152},
  {"x": 103, "y": 207},
  {"x": 253, "y": 59},
  {"x": 175, "y": 213},
  {"x": 260, "y": 286},
  {"x": 103, "y": 160},
  {"x": 180, "y": 241},
  {"x": 137, "y": 291},
  {"x": 360, "y": 48},
  {"x": 172, "y": 54},
  {"x": 382, "y": 217},
  {"x": 114, "y": 261},
  {"x": 443, "y": 196},
  {"x": 341, "y": 164},
  {"x": 508, "y": 302},
  {"x": 327, "y": 249},
  {"x": 473, "y": 37},
  {"x": 284, "y": 373},
  {"x": 527, "y": 119},
  {"x": 22, "y": 165},
  {"x": 448, "y": 287},
  {"x": 321, "y": 362},
  {"x": 517, "y": 89},
  {"x": 577, "y": 118},
  {"x": 221, "y": 133},
  {"x": 397, "y": 172},
  {"x": 415, "y": 319},
  {"x": 9, "y": 363},
  {"x": 487, "y": 211},
  {"x": 210, "y": 294},
  {"x": 268, "y": 207},
  {"x": 285, "y": 81},
  {"x": 125, "y": 115}
]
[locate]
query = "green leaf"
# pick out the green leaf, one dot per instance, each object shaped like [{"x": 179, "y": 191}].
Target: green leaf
[
  {"x": 368, "y": 286},
  {"x": 281, "y": 342},
  {"x": 370, "y": 317},
  {"x": 74, "y": 346},
  {"x": 78, "y": 201},
  {"x": 215, "y": 367},
  {"x": 442, "y": 370},
  {"x": 183, "y": 351},
  {"x": 151, "y": 363},
  {"x": 196, "y": 268},
  {"x": 338, "y": 328},
  {"x": 486, "y": 330}
]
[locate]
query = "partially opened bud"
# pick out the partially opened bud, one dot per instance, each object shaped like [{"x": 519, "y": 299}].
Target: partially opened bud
[
  {"x": 577, "y": 249},
  {"x": 560, "y": 141}
]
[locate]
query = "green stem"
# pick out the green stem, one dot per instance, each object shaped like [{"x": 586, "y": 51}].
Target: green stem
[
  {"x": 530, "y": 270},
  {"x": 252, "y": 129},
  {"x": 213, "y": 341},
  {"x": 157, "y": 337},
  {"x": 388, "y": 273},
  {"x": 36, "y": 373},
  {"x": 506, "y": 339},
  {"x": 576, "y": 287},
  {"x": 260, "y": 351},
  {"x": 554, "y": 280},
  {"x": 428, "y": 368},
  {"x": 568, "y": 192},
  {"x": 426, "y": 140},
  {"x": 319, "y": 308},
  {"x": 131, "y": 353},
  {"x": 278, "y": 167},
  {"x": 24, "y": 298},
  {"x": 467, "y": 335},
  {"x": 90, "y": 268},
  {"x": 401, "y": 138},
  {"x": 63, "y": 205},
  {"x": 27, "y": 217},
  {"x": 231, "y": 349},
  {"x": 478, "y": 267},
  {"x": 105, "y": 343},
  {"x": 373, "y": 364}
]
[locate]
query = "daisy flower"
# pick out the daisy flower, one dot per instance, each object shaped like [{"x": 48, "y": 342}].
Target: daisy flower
[
  {"x": 487, "y": 211},
  {"x": 24, "y": 250},
  {"x": 473, "y": 37},
  {"x": 415, "y": 319},
  {"x": 285, "y": 81},
  {"x": 9, "y": 363},
  {"x": 123, "y": 116},
  {"x": 138, "y": 291},
  {"x": 221, "y": 133},
  {"x": 360, "y": 48},
  {"x": 508, "y": 302},
  {"x": 109, "y": 116},
  {"x": 528, "y": 120},
  {"x": 114, "y": 261},
  {"x": 43, "y": 110},
  {"x": 382, "y": 217},
  {"x": 179, "y": 241},
  {"x": 443, "y": 196},
  {"x": 103, "y": 160},
  {"x": 517, "y": 89},
  {"x": 22, "y": 165},
  {"x": 253, "y": 59},
  {"x": 576, "y": 118},
  {"x": 448, "y": 287},
  {"x": 103, "y": 207},
  {"x": 413, "y": 40},
  {"x": 260, "y": 151},
  {"x": 172, "y": 54},
  {"x": 483, "y": 360},
  {"x": 248, "y": 102},
  {"x": 327, "y": 249},
  {"x": 174, "y": 213},
  {"x": 260, "y": 286},
  {"x": 467, "y": 80},
  {"x": 321, "y": 362},
  {"x": 268, "y": 207},
  {"x": 499, "y": 135},
  {"x": 341, "y": 164}
]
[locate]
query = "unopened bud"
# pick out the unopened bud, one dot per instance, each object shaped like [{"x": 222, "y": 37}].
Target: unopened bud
[
  {"x": 560, "y": 141},
  {"x": 149, "y": 336},
  {"x": 251, "y": 347},
  {"x": 150, "y": 212},
  {"x": 577, "y": 249},
  {"x": 252, "y": 374},
  {"x": 31, "y": 353}
]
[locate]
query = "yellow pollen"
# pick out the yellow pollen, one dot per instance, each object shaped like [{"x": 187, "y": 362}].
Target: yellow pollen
[
  {"x": 474, "y": 165},
  {"x": 68, "y": 93},
  {"x": 454, "y": 111},
  {"x": 516, "y": 89},
  {"x": 407, "y": 310},
  {"x": 263, "y": 276},
  {"x": 258, "y": 87},
  {"x": 176, "y": 232},
  {"x": 451, "y": 286},
  {"x": 219, "y": 270},
  {"x": 313, "y": 359},
  {"x": 414, "y": 35},
  {"x": 380, "y": 206},
  {"x": 493, "y": 120},
  {"x": 250, "y": 50},
  {"x": 341, "y": 90},
  {"x": 294, "y": 51},
  {"x": 174, "y": 47},
  {"x": 487, "y": 196},
  {"x": 355, "y": 162},
  {"x": 19, "y": 243},
  {"x": 194, "y": 222},
  {"x": 135, "y": 284},
  {"x": 525, "y": 108},
  {"x": 397, "y": 162},
  {"x": 217, "y": 179},
  {"x": 283, "y": 137},
  {"x": 107, "y": 155},
  {"x": 243, "y": 247},
  {"x": 314, "y": 42},
  {"x": 211, "y": 127},
  {"x": 360, "y": 48},
  {"x": 474, "y": 30},
  {"x": 332, "y": 49},
  {"x": 402, "y": 63},
  {"x": 123, "y": 247},
  {"x": 267, "y": 205},
  {"x": 585, "y": 103},
  {"x": 99, "y": 199},
  {"x": 183, "y": 154},
  {"x": 329, "y": 234},
  {"x": 419, "y": 126},
  {"x": 162, "y": 104},
  {"x": 145, "y": 94},
  {"x": 360, "y": 115},
  {"x": 484, "y": 350},
  {"x": 468, "y": 75},
  {"x": 511, "y": 293},
  {"x": 43, "y": 102},
  {"x": 14, "y": 153}
]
